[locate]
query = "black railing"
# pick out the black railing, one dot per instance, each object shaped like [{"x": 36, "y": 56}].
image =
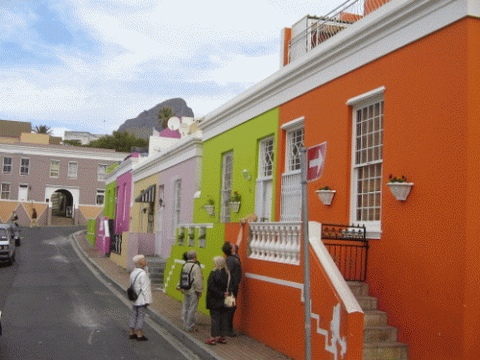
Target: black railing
[
  {"x": 116, "y": 244},
  {"x": 348, "y": 246}
]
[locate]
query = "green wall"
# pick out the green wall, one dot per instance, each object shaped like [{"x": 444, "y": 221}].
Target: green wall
[
  {"x": 110, "y": 200},
  {"x": 244, "y": 141}
]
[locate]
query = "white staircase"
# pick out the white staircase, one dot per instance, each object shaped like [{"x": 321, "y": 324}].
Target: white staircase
[{"x": 379, "y": 339}]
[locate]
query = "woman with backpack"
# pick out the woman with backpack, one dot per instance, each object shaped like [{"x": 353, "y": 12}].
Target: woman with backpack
[{"x": 142, "y": 287}]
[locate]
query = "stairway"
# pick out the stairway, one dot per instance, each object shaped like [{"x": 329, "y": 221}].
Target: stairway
[
  {"x": 379, "y": 339},
  {"x": 61, "y": 221},
  {"x": 156, "y": 266}
]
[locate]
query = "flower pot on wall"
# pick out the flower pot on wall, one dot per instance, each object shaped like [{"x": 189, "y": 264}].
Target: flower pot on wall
[
  {"x": 235, "y": 206},
  {"x": 326, "y": 196},
  {"x": 400, "y": 190}
]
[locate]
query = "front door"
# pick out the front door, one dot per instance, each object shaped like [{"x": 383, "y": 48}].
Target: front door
[
  {"x": 161, "y": 206},
  {"x": 23, "y": 192}
]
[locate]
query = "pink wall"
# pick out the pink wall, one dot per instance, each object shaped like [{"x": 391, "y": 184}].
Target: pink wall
[{"x": 124, "y": 195}]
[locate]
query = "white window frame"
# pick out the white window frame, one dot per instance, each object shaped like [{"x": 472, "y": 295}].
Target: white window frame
[
  {"x": 101, "y": 172},
  {"x": 368, "y": 162},
  {"x": 7, "y": 166},
  {"x": 264, "y": 182},
  {"x": 100, "y": 195},
  {"x": 177, "y": 203},
  {"x": 54, "y": 169},
  {"x": 5, "y": 194},
  {"x": 24, "y": 166},
  {"x": 227, "y": 182},
  {"x": 291, "y": 192},
  {"x": 72, "y": 172}
]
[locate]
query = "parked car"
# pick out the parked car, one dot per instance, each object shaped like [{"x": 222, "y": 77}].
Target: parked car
[{"x": 7, "y": 243}]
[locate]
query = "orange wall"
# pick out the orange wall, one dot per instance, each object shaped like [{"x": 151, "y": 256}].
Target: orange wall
[
  {"x": 417, "y": 269},
  {"x": 274, "y": 313}
]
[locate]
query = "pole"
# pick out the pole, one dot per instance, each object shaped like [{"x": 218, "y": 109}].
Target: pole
[{"x": 306, "y": 257}]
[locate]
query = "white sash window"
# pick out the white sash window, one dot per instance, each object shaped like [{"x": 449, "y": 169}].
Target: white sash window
[
  {"x": 263, "y": 191},
  {"x": 227, "y": 169}
]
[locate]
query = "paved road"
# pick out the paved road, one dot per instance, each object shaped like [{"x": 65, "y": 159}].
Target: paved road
[{"x": 55, "y": 308}]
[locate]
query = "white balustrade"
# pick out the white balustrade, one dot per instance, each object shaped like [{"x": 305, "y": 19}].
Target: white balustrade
[{"x": 276, "y": 242}]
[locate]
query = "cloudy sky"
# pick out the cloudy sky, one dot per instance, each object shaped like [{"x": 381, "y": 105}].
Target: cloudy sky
[{"x": 88, "y": 65}]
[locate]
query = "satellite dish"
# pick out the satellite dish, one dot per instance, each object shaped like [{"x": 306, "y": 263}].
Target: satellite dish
[
  {"x": 183, "y": 128},
  {"x": 187, "y": 120},
  {"x": 173, "y": 123}
]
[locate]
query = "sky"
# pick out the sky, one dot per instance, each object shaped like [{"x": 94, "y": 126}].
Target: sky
[{"x": 89, "y": 65}]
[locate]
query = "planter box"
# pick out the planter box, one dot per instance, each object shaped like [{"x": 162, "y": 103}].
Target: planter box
[
  {"x": 234, "y": 206},
  {"x": 400, "y": 190},
  {"x": 326, "y": 196},
  {"x": 210, "y": 209}
]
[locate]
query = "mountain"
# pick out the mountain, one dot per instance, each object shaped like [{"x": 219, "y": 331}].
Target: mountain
[{"x": 142, "y": 126}]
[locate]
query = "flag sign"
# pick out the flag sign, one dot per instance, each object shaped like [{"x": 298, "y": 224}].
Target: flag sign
[{"x": 315, "y": 161}]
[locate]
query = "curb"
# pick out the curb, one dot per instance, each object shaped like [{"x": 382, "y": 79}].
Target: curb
[{"x": 181, "y": 336}]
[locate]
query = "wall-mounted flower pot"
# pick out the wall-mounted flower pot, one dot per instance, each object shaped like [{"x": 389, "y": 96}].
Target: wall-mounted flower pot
[
  {"x": 400, "y": 190},
  {"x": 326, "y": 196},
  {"x": 235, "y": 206},
  {"x": 210, "y": 209}
]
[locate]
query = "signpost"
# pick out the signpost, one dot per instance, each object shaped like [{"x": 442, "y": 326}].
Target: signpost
[{"x": 312, "y": 160}]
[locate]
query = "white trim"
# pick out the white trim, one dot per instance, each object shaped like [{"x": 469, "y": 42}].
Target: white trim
[
  {"x": 366, "y": 97},
  {"x": 276, "y": 281},
  {"x": 297, "y": 123},
  {"x": 387, "y": 29}
]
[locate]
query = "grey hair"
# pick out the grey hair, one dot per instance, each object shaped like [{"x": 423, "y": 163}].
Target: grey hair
[
  {"x": 137, "y": 258},
  {"x": 220, "y": 263},
  {"x": 192, "y": 254}
]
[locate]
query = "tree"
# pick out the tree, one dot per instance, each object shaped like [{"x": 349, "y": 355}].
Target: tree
[
  {"x": 164, "y": 114},
  {"x": 42, "y": 129},
  {"x": 120, "y": 141}
]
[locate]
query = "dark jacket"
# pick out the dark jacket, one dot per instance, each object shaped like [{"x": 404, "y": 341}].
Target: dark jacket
[
  {"x": 235, "y": 267},
  {"x": 217, "y": 286}
]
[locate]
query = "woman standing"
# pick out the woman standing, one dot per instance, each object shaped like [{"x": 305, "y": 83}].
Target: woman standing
[
  {"x": 141, "y": 284},
  {"x": 216, "y": 291}
]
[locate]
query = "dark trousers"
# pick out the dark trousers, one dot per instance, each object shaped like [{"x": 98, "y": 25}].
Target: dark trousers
[
  {"x": 230, "y": 314},
  {"x": 219, "y": 321}
]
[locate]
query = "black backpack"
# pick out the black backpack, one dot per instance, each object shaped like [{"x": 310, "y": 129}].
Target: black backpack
[
  {"x": 132, "y": 295},
  {"x": 186, "y": 279}
]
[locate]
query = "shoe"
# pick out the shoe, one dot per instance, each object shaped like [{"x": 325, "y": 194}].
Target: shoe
[
  {"x": 221, "y": 340},
  {"x": 142, "y": 338},
  {"x": 211, "y": 342},
  {"x": 134, "y": 336}
]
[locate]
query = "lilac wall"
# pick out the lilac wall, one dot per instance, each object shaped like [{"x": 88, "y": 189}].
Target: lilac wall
[
  {"x": 124, "y": 195},
  {"x": 186, "y": 172}
]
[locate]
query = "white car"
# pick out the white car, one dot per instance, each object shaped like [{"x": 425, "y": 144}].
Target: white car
[{"x": 7, "y": 244}]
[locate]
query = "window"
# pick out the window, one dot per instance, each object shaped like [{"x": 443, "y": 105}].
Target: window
[
  {"x": 72, "y": 170},
  {"x": 7, "y": 165},
  {"x": 100, "y": 197},
  {"x": 101, "y": 172},
  {"x": 263, "y": 187},
  {"x": 367, "y": 162},
  {"x": 291, "y": 202},
  {"x": 5, "y": 191},
  {"x": 24, "y": 166},
  {"x": 227, "y": 169},
  {"x": 177, "y": 199},
  {"x": 54, "y": 168}
]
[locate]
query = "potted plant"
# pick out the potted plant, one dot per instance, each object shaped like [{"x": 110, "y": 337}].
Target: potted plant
[
  {"x": 235, "y": 201},
  {"x": 191, "y": 237},
  {"x": 399, "y": 187},
  {"x": 210, "y": 207},
  {"x": 325, "y": 194}
]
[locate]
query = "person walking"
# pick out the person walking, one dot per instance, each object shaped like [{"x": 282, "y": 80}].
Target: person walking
[
  {"x": 235, "y": 268},
  {"x": 141, "y": 284},
  {"x": 191, "y": 284},
  {"x": 34, "y": 218},
  {"x": 216, "y": 292}
]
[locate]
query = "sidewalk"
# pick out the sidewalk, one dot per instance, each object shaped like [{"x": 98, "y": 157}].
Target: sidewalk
[{"x": 166, "y": 312}]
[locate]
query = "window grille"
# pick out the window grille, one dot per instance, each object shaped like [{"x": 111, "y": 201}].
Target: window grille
[
  {"x": 24, "y": 166},
  {"x": 54, "y": 168},
  {"x": 72, "y": 170},
  {"x": 7, "y": 165},
  {"x": 294, "y": 144},
  {"x": 227, "y": 169},
  {"x": 368, "y": 158},
  {"x": 263, "y": 191}
]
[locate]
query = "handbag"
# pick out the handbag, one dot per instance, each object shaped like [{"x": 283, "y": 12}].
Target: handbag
[
  {"x": 230, "y": 300},
  {"x": 132, "y": 295}
]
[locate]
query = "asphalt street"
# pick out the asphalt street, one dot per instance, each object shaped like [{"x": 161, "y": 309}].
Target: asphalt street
[{"x": 54, "y": 307}]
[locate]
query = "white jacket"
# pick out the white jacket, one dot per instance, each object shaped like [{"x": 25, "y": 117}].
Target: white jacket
[{"x": 142, "y": 282}]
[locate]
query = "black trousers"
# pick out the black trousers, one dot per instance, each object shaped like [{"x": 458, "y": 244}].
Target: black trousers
[{"x": 219, "y": 321}]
